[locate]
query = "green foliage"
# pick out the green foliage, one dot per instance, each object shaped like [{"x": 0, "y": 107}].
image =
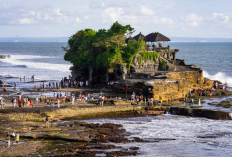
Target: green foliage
[
  {"x": 150, "y": 56},
  {"x": 162, "y": 64},
  {"x": 102, "y": 48}
]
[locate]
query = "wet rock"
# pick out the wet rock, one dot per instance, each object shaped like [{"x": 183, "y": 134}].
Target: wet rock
[{"x": 200, "y": 113}]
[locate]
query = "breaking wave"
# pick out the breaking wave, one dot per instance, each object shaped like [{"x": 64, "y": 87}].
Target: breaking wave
[
  {"x": 220, "y": 76},
  {"x": 16, "y": 60}
]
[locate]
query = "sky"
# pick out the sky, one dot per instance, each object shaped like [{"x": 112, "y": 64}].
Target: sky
[{"x": 63, "y": 18}]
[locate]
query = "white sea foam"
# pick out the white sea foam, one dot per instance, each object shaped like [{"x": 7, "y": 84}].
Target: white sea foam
[
  {"x": 220, "y": 76},
  {"x": 17, "y": 60}
]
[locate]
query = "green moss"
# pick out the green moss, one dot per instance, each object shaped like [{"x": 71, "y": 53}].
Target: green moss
[
  {"x": 196, "y": 102},
  {"x": 37, "y": 120},
  {"x": 162, "y": 64},
  {"x": 196, "y": 107},
  {"x": 225, "y": 104}
]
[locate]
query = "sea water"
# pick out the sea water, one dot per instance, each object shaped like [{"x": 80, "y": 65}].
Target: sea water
[
  {"x": 45, "y": 60},
  {"x": 177, "y": 136},
  {"x": 193, "y": 136}
]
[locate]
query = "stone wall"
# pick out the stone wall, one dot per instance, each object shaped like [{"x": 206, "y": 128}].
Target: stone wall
[{"x": 146, "y": 66}]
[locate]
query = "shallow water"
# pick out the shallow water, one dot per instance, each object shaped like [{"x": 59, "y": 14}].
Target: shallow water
[{"x": 188, "y": 132}]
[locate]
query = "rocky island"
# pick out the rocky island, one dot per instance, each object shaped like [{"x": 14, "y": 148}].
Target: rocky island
[{"x": 139, "y": 63}]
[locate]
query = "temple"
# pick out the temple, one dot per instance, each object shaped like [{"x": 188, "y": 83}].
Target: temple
[{"x": 162, "y": 76}]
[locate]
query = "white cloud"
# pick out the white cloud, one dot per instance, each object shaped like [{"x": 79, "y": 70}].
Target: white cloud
[
  {"x": 26, "y": 21},
  {"x": 78, "y": 20},
  {"x": 57, "y": 12},
  {"x": 32, "y": 12},
  {"x": 146, "y": 11},
  {"x": 112, "y": 12},
  {"x": 221, "y": 17},
  {"x": 192, "y": 19}
]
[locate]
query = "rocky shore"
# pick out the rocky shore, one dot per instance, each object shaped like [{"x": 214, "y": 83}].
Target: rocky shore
[{"x": 79, "y": 138}]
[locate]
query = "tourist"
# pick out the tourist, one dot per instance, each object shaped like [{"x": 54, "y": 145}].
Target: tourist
[
  {"x": 8, "y": 140},
  {"x": 191, "y": 101},
  {"x": 14, "y": 85},
  {"x": 210, "y": 92},
  {"x": 190, "y": 91},
  {"x": 199, "y": 102},
  {"x": 17, "y": 139},
  {"x": 37, "y": 99},
  {"x": 19, "y": 102},
  {"x": 12, "y": 134},
  {"x": 5, "y": 89},
  {"x": 28, "y": 102},
  {"x": 14, "y": 101},
  {"x": 54, "y": 95},
  {"x": 73, "y": 99},
  {"x": 47, "y": 122},
  {"x": 58, "y": 102},
  {"x": 1, "y": 102},
  {"x": 132, "y": 97},
  {"x": 31, "y": 104},
  {"x": 24, "y": 101},
  {"x": 35, "y": 87},
  {"x": 151, "y": 101}
]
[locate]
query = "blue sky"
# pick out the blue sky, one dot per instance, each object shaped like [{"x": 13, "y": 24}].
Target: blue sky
[{"x": 59, "y": 18}]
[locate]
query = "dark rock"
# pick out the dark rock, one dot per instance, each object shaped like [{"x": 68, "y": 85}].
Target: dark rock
[{"x": 200, "y": 113}]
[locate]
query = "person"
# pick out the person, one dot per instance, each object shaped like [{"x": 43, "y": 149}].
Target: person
[
  {"x": 5, "y": 89},
  {"x": 24, "y": 101},
  {"x": 24, "y": 78},
  {"x": 58, "y": 102},
  {"x": 14, "y": 85},
  {"x": 73, "y": 99},
  {"x": 51, "y": 106},
  {"x": 35, "y": 87},
  {"x": 14, "y": 101},
  {"x": 12, "y": 134},
  {"x": 161, "y": 100},
  {"x": 47, "y": 122},
  {"x": 190, "y": 91},
  {"x": 210, "y": 92},
  {"x": 37, "y": 99},
  {"x": 199, "y": 102},
  {"x": 19, "y": 102},
  {"x": 151, "y": 101},
  {"x": 192, "y": 101},
  {"x": 17, "y": 139},
  {"x": 31, "y": 104},
  {"x": 54, "y": 95},
  {"x": 8, "y": 140},
  {"x": 100, "y": 100},
  {"x": 1, "y": 102}
]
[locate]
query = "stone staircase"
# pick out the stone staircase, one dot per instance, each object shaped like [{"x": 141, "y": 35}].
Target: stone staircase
[{"x": 170, "y": 65}]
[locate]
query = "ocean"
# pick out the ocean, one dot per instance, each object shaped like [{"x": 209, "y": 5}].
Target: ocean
[
  {"x": 45, "y": 59},
  {"x": 193, "y": 136}
]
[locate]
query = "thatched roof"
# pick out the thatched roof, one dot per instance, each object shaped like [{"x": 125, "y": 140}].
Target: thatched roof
[
  {"x": 139, "y": 36},
  {"x": 128, "y": 39},
  {"x": 154, "y": 37}
]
